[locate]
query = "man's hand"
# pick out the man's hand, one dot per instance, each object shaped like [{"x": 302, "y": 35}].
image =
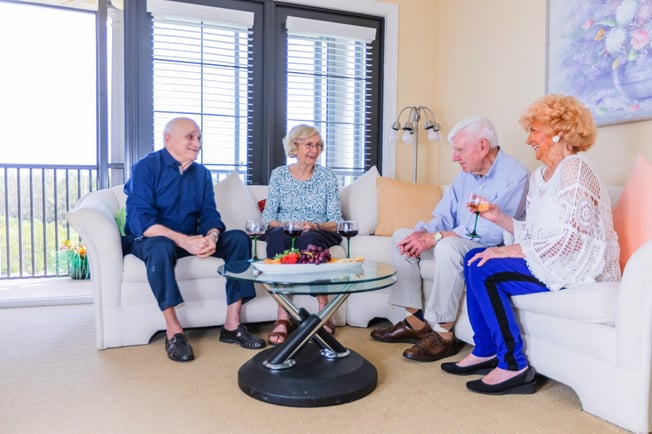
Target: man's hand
[
  {"x": 198, "y": 245},
  {"x": 415, "y": 243}
]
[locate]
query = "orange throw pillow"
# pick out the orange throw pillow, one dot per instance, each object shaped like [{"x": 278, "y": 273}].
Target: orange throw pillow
[
  {"x": 633, "y": 210},
  {"x": 404, "y": 204}
]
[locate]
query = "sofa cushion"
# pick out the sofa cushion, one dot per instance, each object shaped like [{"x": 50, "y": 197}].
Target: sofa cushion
[
  {"x": 234, "y": 202},
  {"x": 404, "y": 204},
  {"x": 359, "y": 201},
  {"x": 593, "y": 302},
  {"x": 633, "y": 209}
]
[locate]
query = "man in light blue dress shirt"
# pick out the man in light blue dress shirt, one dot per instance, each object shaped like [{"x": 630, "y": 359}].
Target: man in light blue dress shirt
[{"x": 487, "y": 171}]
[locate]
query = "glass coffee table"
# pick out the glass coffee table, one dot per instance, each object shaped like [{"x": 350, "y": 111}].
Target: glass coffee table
[{"x": 310, "y": 368}]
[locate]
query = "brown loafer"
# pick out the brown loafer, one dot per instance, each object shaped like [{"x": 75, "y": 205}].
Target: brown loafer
[
  {"x": 432, "y": 348},
  {"x": 400, "y": 332}
]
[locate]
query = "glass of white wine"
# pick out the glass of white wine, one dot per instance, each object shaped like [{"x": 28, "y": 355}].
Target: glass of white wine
[{"x": 476, "y": 204}]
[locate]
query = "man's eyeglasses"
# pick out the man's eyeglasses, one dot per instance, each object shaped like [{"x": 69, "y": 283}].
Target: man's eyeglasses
[{"x": 316, "y": 146}]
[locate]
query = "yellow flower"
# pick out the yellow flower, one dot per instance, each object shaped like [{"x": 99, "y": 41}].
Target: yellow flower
[{"x": 74, "y": 248}]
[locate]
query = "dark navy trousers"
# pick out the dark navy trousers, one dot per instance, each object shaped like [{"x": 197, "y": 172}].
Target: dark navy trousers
[
  {"x": 488, "y": 291},
  {"x": 160, "y": 255}
]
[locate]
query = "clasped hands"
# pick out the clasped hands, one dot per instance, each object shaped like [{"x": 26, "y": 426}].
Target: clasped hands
[
  {"x": 415, "y": 243},
  {"x": 199, "y": 245}
]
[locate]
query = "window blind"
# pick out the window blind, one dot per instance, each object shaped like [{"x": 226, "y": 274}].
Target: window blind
[
  {"x": 329, "y": 86},
  {"x": 202, "y": 70}
]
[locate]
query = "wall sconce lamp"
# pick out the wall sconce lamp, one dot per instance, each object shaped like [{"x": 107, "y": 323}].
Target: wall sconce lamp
[{"x": 411, "y": 129}]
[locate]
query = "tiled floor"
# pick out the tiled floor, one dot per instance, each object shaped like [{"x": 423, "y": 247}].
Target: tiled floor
[{"x": 44, "y": 291}]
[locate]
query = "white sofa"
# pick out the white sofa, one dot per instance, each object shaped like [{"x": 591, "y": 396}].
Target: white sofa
[{"x": 595, "y": 338}]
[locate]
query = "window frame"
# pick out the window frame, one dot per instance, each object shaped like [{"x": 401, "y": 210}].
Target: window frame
[{"x": 270, "y": 130}]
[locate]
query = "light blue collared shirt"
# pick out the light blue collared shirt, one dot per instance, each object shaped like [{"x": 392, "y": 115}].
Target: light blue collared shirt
[{"x": 505, "y": 185}]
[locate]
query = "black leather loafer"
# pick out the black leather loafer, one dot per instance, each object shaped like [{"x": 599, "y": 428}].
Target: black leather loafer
[
  {"x": 241, "y": 336},
  {"x": 524, "y": 383},
  {"x": 178, "y": 348},
  {"x": 479, "y": 368}
]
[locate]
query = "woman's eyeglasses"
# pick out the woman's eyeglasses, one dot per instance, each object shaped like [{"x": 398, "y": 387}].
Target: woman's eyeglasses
[{"x": 316, "y": 146}]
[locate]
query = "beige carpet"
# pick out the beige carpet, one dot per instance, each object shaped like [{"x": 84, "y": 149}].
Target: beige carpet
[{"x": 53, "y": 380}]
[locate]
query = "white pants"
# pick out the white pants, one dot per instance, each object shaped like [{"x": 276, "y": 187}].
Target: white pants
[{"x": 443, "y": 301}]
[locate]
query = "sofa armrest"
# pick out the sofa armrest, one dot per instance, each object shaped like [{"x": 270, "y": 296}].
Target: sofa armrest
[
  {"x": 634, "y": 314},
  {"x": 93, "y": 219}
]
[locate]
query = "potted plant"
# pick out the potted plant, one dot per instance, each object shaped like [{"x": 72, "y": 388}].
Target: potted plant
[{"x": 73, "y": 255}]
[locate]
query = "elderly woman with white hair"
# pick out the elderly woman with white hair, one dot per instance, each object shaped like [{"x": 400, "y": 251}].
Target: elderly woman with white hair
[{"x": 303, "y": 192}]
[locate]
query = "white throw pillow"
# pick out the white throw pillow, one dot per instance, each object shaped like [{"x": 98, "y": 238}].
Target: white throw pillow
[
  {"x": 360, "y": 202},
  {"x": 234, "y": 202}
]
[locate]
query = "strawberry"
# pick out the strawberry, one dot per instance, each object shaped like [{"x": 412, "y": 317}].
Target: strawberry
[{"x": 288, "y": 256}]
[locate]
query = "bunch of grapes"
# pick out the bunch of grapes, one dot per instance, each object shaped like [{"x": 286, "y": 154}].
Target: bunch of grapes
[{"x": 314, "y": 255}]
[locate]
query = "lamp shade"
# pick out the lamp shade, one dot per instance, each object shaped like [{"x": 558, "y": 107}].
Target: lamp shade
[
  {"x": 408, "y": 137},
  {"x": 433, "y": 135}
]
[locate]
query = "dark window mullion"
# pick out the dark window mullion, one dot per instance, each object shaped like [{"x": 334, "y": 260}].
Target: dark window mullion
[{"x": 266, "y": 117}]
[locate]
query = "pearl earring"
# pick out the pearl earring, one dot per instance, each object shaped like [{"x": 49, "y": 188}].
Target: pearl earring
[{"x": 556, "y": 139}]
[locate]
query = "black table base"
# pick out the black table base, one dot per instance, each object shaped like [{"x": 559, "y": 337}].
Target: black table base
[{"x": 314, "y": 381}]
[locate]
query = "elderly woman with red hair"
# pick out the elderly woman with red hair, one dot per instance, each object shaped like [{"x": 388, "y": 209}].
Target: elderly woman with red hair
[{"x": 567, "y": 238}]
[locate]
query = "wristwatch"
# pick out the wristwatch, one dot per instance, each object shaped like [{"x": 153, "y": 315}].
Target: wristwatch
[
  {"x": 215, "y": 234},
  {"x": 438, "y": 236}
]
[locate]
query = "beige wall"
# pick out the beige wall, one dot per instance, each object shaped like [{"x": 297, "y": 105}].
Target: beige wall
[{"x": 466, "y": 57}]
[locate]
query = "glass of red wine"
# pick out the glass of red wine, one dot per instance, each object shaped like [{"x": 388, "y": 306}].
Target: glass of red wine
[
  {"x": 255, "y": 229},
  {"x": 348, "y": 229},
  {"x": 293, "y": 230}
]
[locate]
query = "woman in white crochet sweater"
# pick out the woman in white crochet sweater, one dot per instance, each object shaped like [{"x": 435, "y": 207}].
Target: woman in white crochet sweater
[{"x": 567, "y": 238}]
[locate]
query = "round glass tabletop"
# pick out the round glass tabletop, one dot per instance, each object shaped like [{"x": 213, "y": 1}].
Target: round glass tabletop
[{"x": 313, "y": 279}]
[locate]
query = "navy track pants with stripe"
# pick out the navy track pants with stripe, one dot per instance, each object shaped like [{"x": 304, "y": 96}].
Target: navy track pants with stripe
[{"x": 488, "y": 291}]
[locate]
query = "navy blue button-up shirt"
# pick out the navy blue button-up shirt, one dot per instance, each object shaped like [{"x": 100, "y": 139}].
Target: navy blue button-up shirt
[{"x": 159, "y": 193}]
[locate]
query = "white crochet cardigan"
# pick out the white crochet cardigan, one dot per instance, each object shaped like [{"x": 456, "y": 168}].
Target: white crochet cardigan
[{"x": 568, "y": 236}]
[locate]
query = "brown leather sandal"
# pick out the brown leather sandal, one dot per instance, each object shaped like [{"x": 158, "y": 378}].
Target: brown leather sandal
[{"x": 280, "y": 336}]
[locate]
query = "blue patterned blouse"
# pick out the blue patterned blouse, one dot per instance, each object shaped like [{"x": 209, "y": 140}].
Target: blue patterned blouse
[{"x": 314, "y": 200}]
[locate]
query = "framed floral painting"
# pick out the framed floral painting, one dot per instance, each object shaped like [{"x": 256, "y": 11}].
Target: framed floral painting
[{"x": 601, "y": 52}]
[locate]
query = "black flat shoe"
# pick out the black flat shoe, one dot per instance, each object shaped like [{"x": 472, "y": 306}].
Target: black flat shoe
[
  {"x": 241, "y": 336},
  {"x": 479, "y": 368},
  {"x": 178, "y": 348},
  {"x": 524, "y": 383}
]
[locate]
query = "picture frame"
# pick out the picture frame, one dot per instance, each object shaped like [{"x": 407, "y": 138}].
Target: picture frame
[{"x": 601, "y": 52}]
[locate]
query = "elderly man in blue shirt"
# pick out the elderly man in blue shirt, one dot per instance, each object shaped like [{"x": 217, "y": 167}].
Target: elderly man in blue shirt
[
  {"x": 487, "y": 171},
  {"x": 171, "y": 213}
]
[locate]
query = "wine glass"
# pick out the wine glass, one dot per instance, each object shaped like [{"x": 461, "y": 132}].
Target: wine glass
[
  {"x": 476, "y": 204},
  {"x": 293, "y": 230},
  {"x": 348, "y": 229},
  {"x": 255, "y": 229}
]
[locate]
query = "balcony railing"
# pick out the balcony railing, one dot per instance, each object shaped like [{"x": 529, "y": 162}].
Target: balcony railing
[{"x": 33, "y": 203}]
